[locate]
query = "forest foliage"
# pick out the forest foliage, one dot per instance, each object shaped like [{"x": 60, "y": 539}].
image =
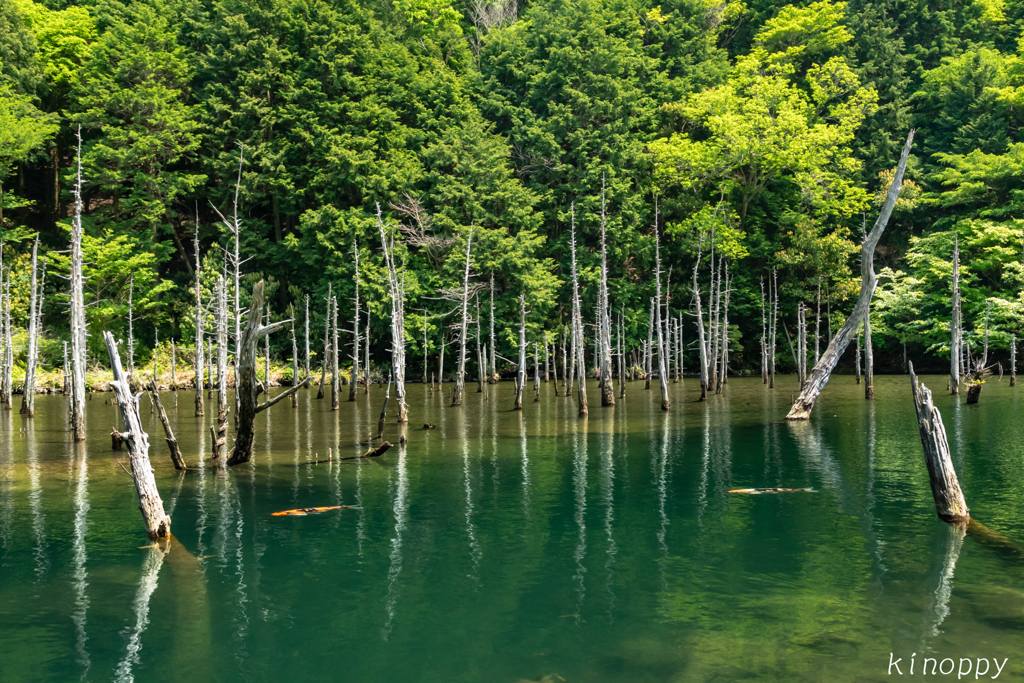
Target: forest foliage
[{"x": 777, "y": 126}]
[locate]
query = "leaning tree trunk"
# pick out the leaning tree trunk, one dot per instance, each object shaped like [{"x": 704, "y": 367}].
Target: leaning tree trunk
[
  {"x": 801, "y": 409},
  {"x": 521, "y": 367},
  {"x": 158, "y": 524},
  {"x": 577, "y": 326},
  {"x": 172, "y": 443},
  {"x": 28, "y": 397},
  {"x": 355, "y": 332},
  {"x": 460, "y": 375},
  {"x": 954, "y": 349},
  {"x": 397, "y": 289},
  {"x": 78, "y": 313},
  {"x": 949, "y": 499},
  {"x": 604, "y": 331},
  {"x": 246, "y": 382}
]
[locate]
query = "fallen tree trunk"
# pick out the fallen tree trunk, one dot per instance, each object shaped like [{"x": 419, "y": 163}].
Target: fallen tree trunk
[
  {"x": 801, "y": 409},
  {"x": 158, "y": 524},
  {"x": 949, "y": 499}
]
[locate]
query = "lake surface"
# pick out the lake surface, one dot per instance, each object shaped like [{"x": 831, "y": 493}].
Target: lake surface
[{"x": 505, "y": 545}]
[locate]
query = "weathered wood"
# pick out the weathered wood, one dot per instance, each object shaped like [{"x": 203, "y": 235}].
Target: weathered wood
[
  {"x": 1013, "y": 359},
  {"x": 327, "y": 344},
  {"x": 282, "y": 396},
  {"x": 77, "y": 310},
  {"x": 245, "y": 378},
  {"x": 662, "y": 371},
  {"x": 355, "y": 331},
  {"x": 577, "y": 326},
  {"x": 460, "y": 374},
  {"x": 955, "y": 373},
  {"x": 604, "y": 323},
  {"x": 200, "y": 320},
  {"x": 480, "y": 370},
  {"x": 764, "y": 340},
  {"x": 949, "y": 499},
  {"x": 492, "y": 367},
  {"x": 335, "y": 370},
  {"x": 521, "y": 365},
  {"x": 695, "y": 287},
  {"x": 116, "y": 440},
  {"x": 7, "y": 358},
  {"x": 28, "y": 396},
  {"x": 974, "y": 392},
  {"x": 775, "y": 326},
  {"x": 383, "y": 411},
  {"x": 801, "y": 409},
  {"x": 158, "y": 524},
  {"x": 396, "y": 287},
  {"x": 373, "y": 452},
  {"x": 172, "y": 443},
  {"x": 295, "y": 357},
  {"x": 305, "y": 335},
  {"x": 869, "y": 357},
  {"x": 221, "y": 435}
]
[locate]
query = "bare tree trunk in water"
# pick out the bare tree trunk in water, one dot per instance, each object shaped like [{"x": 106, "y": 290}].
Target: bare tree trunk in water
[
  {"x": 622, "y": 356},
  {"x": 764, "y": 340},
  {"x": 817, "y": 323},
  {"x": 577, "y": 327},
  {"x": 353, "y": 380},
  {"x": 955, "y": 349},
  {"x": 460, "y": 377},
  {"x": 266, "y": 357},
  {"x": 1013, "y": 359},
  {"x": 649, "y": 349},
  {"x": 295, "y": 357},
  {"x": 857, "y": 357},
  {"x": 521, "y": 367},
  {"x": 327, "y": 344},
  {"x": 77, "y": 312},
  {"x": 493, "y": 374},
  {"x": 172, "y": 443},
  {"x": 28, "y": 396},
  {"x": 245, "y": 374},
  {"x": 440, "y": 358},
  {"x": 662, "y": 371},
  {"x": 221, "y": 435},
  {"x": 604, "y": 332},
  {"x": 949, "y": 499},
  {"x": 335, "y": 348},
  {"x": 700, "y": 331},
  {"x": 536, "y": 374},
  {"x": 366, "y": 354},
  {"x": 397, "y": 288},
  {"x": 775, "y": 326},
  {"x": 801, "y": 409},
  {"x": 869, "y": 359},
  {"x": 158, "y": 524},
  {"x": 6, "y": 357},
  {"x": 723, "y": 371},
  {"x": 305, "y": 336},
  {"x": 479, "y": 351}
]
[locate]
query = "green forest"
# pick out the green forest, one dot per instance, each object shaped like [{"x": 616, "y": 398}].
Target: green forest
[{"x": 766, "y": 132}]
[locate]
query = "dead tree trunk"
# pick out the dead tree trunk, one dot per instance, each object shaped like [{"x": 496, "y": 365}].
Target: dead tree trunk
[
  {"x": 7, "y": 358},
  {"x": 245, "y": 374},
  {"x": 605, "y": 331},
  {"x": 200, "y": 330},
  {"x": 869, "y": 359},
  {"x": 723, "y": 370},
  {"x": 949, "y": 499},
  {"x": 28, "y": 396},
  {"x": 220, "y": 437},
  {"x": 335, "y": 348},
  {"x": 955, "y": 350},
  {"x": 817, "y": 324},
  {"x": 521, "y": 367},
  {"x": 801, "y": 409},
  {"x": 764, "y": 340},
  {"x": 158, "y": 524},
  {"x": 172, "y": 443},
  {"x": 366, "y": 354},
  {"x": 78, "y": 312},
  {"x": 536, "y": 374},
  {"x": 327, "y": 345},
  {"x": 775, "y": 326},
  {"x": 355, "y": 332},
  {"x": 397, "y": 289},
  {"x": 622, "y": 355},
  {"x": 131, "y": 334},
  {"x": 577, "y": 326},
  {"x": 700, "y": 331},
  {"x": 493, "y": 372},
  {"x": 1013, "y": 359},
  {"x": 649, "y": 349},
  {"x": 460, "y": 375},
  {"x": 305, "y": 335},
  {"x": 857, "y": 357},
  {"x": 662, "y": 371},
  {"x": 295, "y": 357},
  {"x": 479, "y": 351}
]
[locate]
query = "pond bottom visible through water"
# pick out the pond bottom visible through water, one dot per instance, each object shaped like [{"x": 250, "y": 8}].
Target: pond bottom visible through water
[{"x": 506, "y": 546}]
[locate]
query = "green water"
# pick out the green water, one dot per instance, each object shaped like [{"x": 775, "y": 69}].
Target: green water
[{"x": 505, "y": 546}]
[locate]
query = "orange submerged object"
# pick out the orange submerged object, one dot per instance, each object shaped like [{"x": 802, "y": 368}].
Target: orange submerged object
[
  {"x": 770, "y": 490},
  {"x": 308, "y": 511}
]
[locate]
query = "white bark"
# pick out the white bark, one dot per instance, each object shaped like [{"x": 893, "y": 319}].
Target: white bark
[
  {"x": 577, "y": 326},
  {"x": 397, "y": 289},
  {"x": 29, "y": 393},
  {"x": 460, "y": 375},
  {"x": 77, "y": 310}
]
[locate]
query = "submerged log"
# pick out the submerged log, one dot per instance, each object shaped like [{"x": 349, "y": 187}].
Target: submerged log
[
  {"x": 949, "y": 499},
  {"x": 172, "y": 443},
  {"x": 158, "y": 524},
  {"x": 801, "y": 409}
]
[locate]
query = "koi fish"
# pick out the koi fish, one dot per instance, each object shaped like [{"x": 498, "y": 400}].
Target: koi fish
[
  {"x": 299, "y": 512},
  {"x": 770, "y": 490}
]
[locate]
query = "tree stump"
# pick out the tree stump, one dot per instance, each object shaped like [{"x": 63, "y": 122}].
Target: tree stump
[{"x": 973, "y": 392}]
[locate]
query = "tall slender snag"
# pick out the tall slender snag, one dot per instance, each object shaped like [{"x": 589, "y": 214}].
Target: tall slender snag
[
  {"x": 77, "y": 311},
  {"x": 28, "y": 396},
  {"x": 221, "y": 435},
  {"x": 577, "y": 326},
  {"x": 295, "y": 357},
  {"x": 460, "y": 375},
  {"x": 605, "y": 331},
  {"x": 521, "y": 366},
  {"x": 355, "y": 331},
  {"x": 955, "y": 349},
  {"x": 397, "y": 290},
  {"x": 801, "y": 409},
  {"x": 662, "y": 373},
  {"x": 700, "y": 331},
  {"x": 335, "y": 348}
]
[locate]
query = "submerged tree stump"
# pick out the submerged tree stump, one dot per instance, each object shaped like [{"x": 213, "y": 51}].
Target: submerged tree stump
[
  {"x": 974, "y": 392},
  {"x": 949, "y": 499},
  {"x": 172, "y": 443},
  {"x": 158, "y": 524}
]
